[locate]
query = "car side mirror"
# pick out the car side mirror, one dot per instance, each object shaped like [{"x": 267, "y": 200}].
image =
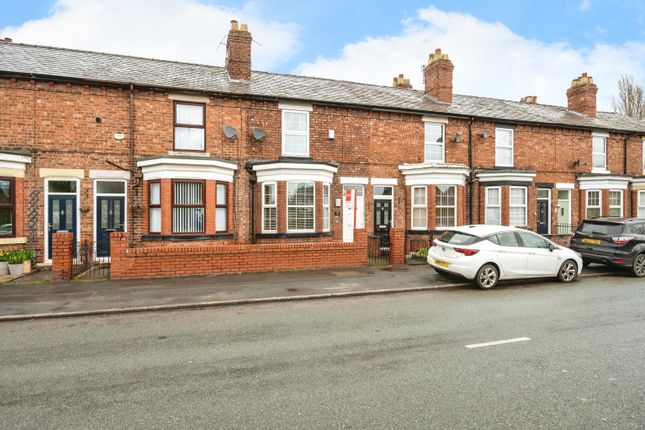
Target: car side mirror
[{"x": 551, "y": 247}]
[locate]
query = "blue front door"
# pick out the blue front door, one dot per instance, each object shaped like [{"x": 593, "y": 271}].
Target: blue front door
[
  {"x": 109, "y": 218},
  {"x": 61, "y": 216}
]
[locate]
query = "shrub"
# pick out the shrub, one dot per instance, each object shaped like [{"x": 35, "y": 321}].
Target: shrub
[{"x": 421, "y": 253}]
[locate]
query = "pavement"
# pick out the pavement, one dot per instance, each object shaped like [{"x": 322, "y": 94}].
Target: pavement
[{"x": 21, "y": 301}]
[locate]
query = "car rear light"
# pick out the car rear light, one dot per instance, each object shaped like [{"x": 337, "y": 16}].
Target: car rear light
[
  {"x": 621, "y": 240},
  {"x": 467, "y": 252}
]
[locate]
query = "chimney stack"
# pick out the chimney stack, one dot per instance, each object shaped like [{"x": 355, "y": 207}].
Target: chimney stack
[
  {"x": 437, "y": 76},
  {"x": 6, "y": 40},
  {"x": 529, "y": 100},
  {"x": 401, "y": 82},
  {"x": 238, "y": 52},
  {"x": 582, "y": 96}
]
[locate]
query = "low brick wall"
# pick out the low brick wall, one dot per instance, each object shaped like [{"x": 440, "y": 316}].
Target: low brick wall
[
  {"x": 62, "y": 256},
  {"x": 186, "y": 260}
]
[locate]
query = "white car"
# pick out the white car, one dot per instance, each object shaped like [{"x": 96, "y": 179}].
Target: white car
[{"x": 489, "y": 253}]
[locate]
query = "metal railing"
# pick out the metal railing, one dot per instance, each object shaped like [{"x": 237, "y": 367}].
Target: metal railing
[
  {"x": 378, "y": 250},
  {"x": 564, "y": 229},
  {"x": 89, "y": 262}
]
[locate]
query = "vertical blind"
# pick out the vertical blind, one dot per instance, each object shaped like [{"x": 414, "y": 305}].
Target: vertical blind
[{"x": 188, "y": 207}]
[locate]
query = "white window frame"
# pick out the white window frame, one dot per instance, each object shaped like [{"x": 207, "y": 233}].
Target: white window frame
[
  {"x": 326, "y": 207},
  {"x": 594, "y": 153},
  {"x": 498, "y": 205},
  {"x": 416, "y": 206},
  {"x": 426, "y": 143},
  {"x": 587, "y": 206},
  {"x": 274, "y": 205},
  {"x": 437, "y": 206},
  {"x": 149, "y": 185},
  {"x": 306, "y": 133},
  {"x": 498, "y": 145},
  {"x": 621, "y": 206},
  {"x": 525, "y": 205},
  {"x": 304, "y": 206},
  {"x": 640, "y": 213}
]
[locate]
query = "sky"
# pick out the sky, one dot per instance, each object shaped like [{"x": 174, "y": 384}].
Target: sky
[{"x": 504, "y": 49}]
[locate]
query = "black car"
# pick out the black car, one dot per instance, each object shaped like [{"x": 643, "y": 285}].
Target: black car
[{"x": 613, "y": 241}]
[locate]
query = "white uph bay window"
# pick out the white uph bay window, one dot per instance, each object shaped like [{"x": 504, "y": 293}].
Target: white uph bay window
[
  {"x": 446, "y": 206},
  {"x": 295, "y": 133},
  {"x": 300, "y": 207},
  {"x": 599, "y": 155},
  {"x": 641, "y": 204},
  {"x": 188, "y": 206},
  {"x": 594, "y": 202},
  {"x": 616, "y": 203},
  {"x": 504, "y": 146},
  {"x": 517, "y": 207},
  {"x": 325, "y": 208},
  {"x": 269, "y": 208},
  {"x": 419, "y": 208},
  {"x": 154, "y": 203},
  {"x": 434, "y": 138},
  {"x": 493, "y": 206}
]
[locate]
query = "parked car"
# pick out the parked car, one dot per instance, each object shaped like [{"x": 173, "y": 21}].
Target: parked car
[
  {"x": 613, "y": 241},
  {"x": 487, "y": 254}
]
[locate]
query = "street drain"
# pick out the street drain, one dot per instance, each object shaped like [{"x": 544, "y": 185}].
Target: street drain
[
  {"x": 162, "y": 337},
  {"x": 291, "y": 290}
]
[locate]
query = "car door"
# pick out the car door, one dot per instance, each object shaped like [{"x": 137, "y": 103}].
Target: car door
[
  {"x": 541, "y": 260},
  {"x": 511, "y": 257}
]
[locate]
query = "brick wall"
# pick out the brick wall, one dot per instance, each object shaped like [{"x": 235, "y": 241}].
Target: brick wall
[
  {"x": 185, "y": 260},
  {"x": 62, "y": 256}
]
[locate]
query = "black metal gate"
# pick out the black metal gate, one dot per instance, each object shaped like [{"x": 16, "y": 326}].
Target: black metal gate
[
  {"x": 378, "y": 250},
  {"x": 89, "y": 262}
]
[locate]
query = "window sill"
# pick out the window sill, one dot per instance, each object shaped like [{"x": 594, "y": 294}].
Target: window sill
[
  {"x": 12, "y": 240},
  {"x": 293, "y": 235},
  {"x": 601, "y": 171},
  {"x": 185, "y": 237}
]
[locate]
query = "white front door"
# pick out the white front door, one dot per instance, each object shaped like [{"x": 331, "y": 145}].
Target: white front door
[{"x": 349, "y": 214}]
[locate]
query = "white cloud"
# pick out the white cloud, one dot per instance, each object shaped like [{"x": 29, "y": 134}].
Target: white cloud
[
  {"x": 584, "y": 5},
  {"x": 490, "y": 60},
  {"x": 181, "y": 30}
]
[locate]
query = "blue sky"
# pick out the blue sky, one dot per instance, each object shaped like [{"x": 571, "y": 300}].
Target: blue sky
[{"x": 333, "y": 38}]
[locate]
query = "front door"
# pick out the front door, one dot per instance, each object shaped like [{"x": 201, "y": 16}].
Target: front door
[
  {"x": 109, "y": 218},
  {"x": 564, "y": 212},
  {"x": 383, "y": 220},
  {"x": 61, "y": 217},
  {"x": 543, "y": 210}
]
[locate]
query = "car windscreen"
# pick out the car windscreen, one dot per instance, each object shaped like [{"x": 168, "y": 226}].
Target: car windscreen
[
  {"x": 458, "y": 238},
  {"x": 600, "y": 228}
]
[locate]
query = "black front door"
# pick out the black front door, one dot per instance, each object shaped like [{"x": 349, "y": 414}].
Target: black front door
[
  {"x": 109, "y": 218},
  {"x": 61, "y": 217},
  {"x": 383, "y": 220},
  {"x": 543, "y": 217}
]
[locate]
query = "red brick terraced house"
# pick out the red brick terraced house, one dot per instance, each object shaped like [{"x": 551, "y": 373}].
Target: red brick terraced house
[{"x": 184, "y": 157}]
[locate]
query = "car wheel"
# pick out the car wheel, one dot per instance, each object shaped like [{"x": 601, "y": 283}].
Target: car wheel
[
  {"x": 487, "y": 277},
  {"x": 638, "y": 268},
  {"x": 568, "y": 271}
]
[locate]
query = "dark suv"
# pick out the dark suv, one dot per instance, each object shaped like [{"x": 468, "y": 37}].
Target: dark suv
[{"x": 613, "y": 241}]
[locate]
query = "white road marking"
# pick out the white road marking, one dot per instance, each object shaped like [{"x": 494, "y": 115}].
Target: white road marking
[{"x": 498, "y": 342}]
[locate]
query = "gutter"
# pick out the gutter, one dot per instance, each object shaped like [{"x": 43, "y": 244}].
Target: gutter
[{"x": 471, "y": 206}]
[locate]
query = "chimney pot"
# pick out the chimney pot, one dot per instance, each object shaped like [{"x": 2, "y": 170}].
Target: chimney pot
[
  {"x": 401, "y": 82},
  {"x": 244, "y": 27},
  {"x": 234, "y": 25}
]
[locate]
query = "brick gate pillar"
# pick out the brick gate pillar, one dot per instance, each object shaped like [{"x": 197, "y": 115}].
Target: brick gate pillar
[
  {"x": 397, "y": 246},
  {"x": 62, "y": 263}
]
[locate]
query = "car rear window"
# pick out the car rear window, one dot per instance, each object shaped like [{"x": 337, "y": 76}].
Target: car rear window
[
  {"x": 600, "y": 228},
  {"x": 458, "y": 238},
  {"x": 635, "y": 229}
]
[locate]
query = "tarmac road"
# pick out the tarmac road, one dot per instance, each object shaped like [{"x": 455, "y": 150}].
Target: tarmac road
[{"x": 395, "y": 361}]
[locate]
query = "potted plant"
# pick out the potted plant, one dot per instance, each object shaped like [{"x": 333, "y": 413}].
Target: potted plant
[
  {"x": 15, "y": 260},
  {"x": 28, "y": 255},
  {"x": 4, "y": 266}
]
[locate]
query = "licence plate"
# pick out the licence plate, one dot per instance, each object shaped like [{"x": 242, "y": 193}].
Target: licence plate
[
  {"x": 441, "y": 263},
  {"x": 592, "y": 241}
]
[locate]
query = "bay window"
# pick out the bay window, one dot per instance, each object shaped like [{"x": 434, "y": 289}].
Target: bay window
[
  {"x": 616, "y": 203},
  {"x": 221, "y": 208},
  {"x": 269, "y": 208},
  {"x": 7, "y": 208},
  {"x": 300, "y": 206},
  {"x": 189, "y": 126},
  {"x": 434, "y": 138},
  {"x": 188, "y": 207},
  {"x": 493, "y": 206},
  {"x": 517, "y": 212},
  {"x": 325, "y": 208},
  {"x": 593, "y": 204},
  {"x": 446, "y": 206},
  {"x": 641, "y": 204},
  {"x": 419, "y": 208},
  {"x": 154, "y": 205}
]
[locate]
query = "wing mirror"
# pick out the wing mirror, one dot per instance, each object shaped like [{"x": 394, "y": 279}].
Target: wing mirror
[{"x": 551, "y": 247}]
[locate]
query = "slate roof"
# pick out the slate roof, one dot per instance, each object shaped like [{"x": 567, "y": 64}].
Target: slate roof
[{"x": 41, "y": 61}]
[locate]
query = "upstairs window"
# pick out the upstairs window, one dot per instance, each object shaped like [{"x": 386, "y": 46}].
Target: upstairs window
[
  {"x": 599, "y": 156},
  {"x": 434, "y": 142},
  {"x": 189, "y": 126},
  {"x": 615, "y": 203},
  {"x": 7, "y": 208},
  {"x": 504, "y": 147},
  {"x": 295, "y": 133},
  {"x": 188, "y": 207}
]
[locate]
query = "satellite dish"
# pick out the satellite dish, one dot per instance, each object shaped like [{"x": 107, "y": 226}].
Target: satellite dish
[
  {"x": 258, "y": 134},
  {"x": 230, "y": 132}
]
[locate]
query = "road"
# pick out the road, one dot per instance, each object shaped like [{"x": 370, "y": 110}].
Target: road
[{"x": 396, "y": 361}]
